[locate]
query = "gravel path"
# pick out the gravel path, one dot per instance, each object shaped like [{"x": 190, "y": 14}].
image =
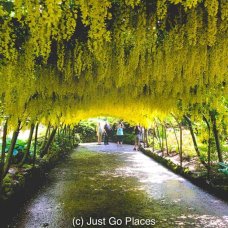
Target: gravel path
[{"x": 101, "y": 184}]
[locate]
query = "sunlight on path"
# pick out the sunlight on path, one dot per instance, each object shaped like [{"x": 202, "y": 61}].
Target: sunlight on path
[
  {"x": 168, "y": 187},
  {"x": 112, "y": 180}
]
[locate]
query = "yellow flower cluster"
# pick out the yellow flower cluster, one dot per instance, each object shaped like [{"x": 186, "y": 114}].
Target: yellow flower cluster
[{"x": 63, "y": 61}]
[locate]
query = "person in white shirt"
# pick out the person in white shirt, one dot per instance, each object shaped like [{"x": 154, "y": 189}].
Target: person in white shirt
[{"x": 99, "y": 133}]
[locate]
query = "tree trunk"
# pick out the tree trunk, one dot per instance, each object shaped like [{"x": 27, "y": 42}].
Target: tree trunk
[
  {"x": 145, "y": 138},
  {"x": 209, "y": 147},
  {"x": 181, "y": 147},
  {"x": 209, "y": 156},
  {"x": 45, "y": 150},
  {"x": 61, "y": 129},
  {"x": 216, "y": 136},
  {"x": 35, "y": 144},
  {"x": 178, "y": 146},
  {"x": 166, "y": 141},
  {"x": 73, "y": 136},
  {"x": 194, "y": 140},
  {"x": 64, "y": 129},
  {"x": 45, "y": 137},
  {"x": 162, "y": 140},
  {"x": 158, "y": 137},
  {"x": 49, "y": 131},
  {"x": 2, "y": 162},
  {"x": 28, "y": 145},
  {"x": 10, "y": 152},
  {"x": 153, "y": 138},
  {"x": 69, "y": 133}
]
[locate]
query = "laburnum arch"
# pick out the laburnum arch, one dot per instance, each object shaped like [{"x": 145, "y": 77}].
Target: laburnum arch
[{"x": 63, "y": 60}]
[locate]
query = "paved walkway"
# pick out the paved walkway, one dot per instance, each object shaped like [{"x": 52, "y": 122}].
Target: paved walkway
[{"x": 115, "y": 182}]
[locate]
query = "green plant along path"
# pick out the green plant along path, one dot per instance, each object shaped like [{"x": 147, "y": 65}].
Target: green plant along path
[{"x": 101, "y": 182}]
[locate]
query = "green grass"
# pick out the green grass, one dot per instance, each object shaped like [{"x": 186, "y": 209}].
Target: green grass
[{"x": 188, "y": 147}]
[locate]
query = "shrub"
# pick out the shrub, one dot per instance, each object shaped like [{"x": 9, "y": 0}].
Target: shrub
[{"x": 86, "y": 130}]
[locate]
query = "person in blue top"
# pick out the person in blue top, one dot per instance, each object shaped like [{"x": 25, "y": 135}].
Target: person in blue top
[{"x": 120, "y": 133}]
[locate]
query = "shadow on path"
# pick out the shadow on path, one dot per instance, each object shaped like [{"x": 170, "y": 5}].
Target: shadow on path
[{"x": 101, "y": 182}]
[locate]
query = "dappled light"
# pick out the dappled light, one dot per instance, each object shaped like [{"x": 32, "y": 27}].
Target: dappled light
[{"x": 115, "y": 184}]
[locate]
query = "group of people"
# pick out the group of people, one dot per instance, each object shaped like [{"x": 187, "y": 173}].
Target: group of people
[{"x": 105, "y": 132}]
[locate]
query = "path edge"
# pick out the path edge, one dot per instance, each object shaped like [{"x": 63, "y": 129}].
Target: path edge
[
  {"x": 31, "y": 180},
  {"x": 199, "y": 181}
]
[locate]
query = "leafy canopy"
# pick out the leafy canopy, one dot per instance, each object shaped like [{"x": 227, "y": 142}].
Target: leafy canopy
[{"x": 66, "y": 60}]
